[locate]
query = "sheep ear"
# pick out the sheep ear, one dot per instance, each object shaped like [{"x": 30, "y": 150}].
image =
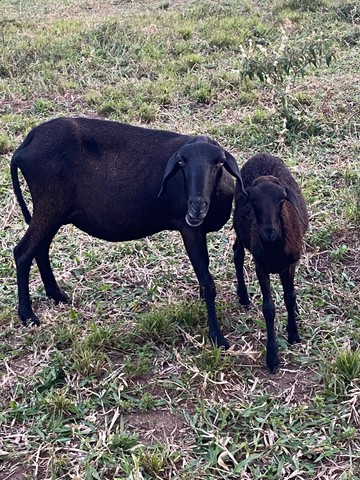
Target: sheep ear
[
  {"x": 171, "y": 166},
  {"x": 232, "y": 167},
  {"x": 294, "y": 200}
]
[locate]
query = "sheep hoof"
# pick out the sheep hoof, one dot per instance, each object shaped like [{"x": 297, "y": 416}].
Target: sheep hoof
[
  {"x": 272, "y": 362},
  {"x": 30, "y": 320},
  {"x": 59, "y": 297},
  {"x": 220, "y": 341},
  {"x": 244, "y": 300},
  {"x": 245, "y": 305},
  {"x": 273, "y": 369},
  {"x": 294, "y": 339}
]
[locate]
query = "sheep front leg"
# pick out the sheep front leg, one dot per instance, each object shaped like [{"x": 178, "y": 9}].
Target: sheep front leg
[
  {"x": 239, "y": 256},
  {"x": 268, "y": 307},
  {"x": 195, "y": 244},
  {"x": 287, "y": 280}
]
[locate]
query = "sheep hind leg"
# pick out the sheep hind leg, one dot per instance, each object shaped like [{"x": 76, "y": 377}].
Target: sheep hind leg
[
  {"x": 51, "y": 287},
  {"x": 35, "y": 241},
  {"x": 195, "y": 244},
  {"x": 268, "y": 307},
  {"x": 24, "y": 255},
  {"x": 239, "y": 256},
  {"x": 287, "y": 280}
]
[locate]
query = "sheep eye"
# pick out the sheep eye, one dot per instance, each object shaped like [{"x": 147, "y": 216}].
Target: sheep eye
[
  {"x": 181, "y": 162},
  {"x": 220, "y": 164}
]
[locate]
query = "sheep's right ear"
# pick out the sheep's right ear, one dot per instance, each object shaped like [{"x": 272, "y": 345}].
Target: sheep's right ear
[
  {"x": 294, "y": 200},
  {"x": 171, "y": 167}
]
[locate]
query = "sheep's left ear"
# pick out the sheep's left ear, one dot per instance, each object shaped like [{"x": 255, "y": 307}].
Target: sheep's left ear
[
  {"x": 294, "y": 200},
  {"x": 171, "y": 167},
  {"x": 231, "y": 166}
]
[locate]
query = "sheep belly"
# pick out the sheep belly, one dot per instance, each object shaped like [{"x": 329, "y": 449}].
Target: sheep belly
[{"x": 113, "y": 229}]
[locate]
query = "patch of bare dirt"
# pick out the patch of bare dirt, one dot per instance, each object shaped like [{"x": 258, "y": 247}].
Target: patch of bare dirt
[
  {"x": 10, "y": 471},
  {"x": 159, "y": 426},
  {"x": 291, "y": 385}
]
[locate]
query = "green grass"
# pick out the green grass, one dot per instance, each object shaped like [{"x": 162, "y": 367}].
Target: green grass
[{"x": 123, "y": 383}]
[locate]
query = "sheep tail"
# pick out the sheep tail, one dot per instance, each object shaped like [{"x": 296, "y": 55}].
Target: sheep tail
[{"x": 17, "y": 188}]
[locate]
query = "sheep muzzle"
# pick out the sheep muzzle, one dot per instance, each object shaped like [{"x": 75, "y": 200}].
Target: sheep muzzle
[
  {"x": 197, "y": 210},
  {"x": 269, "y": 234}
]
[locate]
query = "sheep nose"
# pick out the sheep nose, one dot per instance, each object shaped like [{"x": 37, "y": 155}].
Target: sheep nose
[
  {"x": 196, "y": 212},
  {"x": 198, "y": 204},
  {"x": 268, "y": 234}
]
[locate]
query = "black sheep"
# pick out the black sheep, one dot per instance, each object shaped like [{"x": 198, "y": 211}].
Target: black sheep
[
  {"x": 120, "y": 182},
  {"x": 270, "y": 220}
]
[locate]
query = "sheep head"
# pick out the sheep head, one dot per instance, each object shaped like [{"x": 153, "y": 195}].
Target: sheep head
[
  {"x": 267, "y": 196},
  {"x": 201, "y": 162}
]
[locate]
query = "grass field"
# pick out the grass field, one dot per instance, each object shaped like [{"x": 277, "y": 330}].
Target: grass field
[{"x": 122, "y": 383}]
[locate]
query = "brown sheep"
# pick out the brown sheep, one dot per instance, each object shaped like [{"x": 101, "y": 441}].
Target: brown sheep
[{"x": 270, "y": 220}]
